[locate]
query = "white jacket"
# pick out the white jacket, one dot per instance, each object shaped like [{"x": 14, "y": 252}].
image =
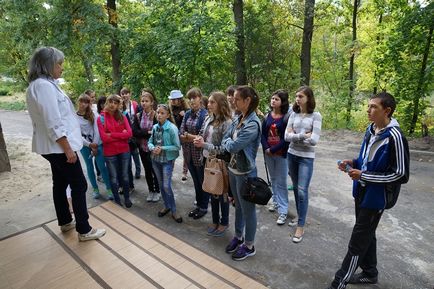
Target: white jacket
[{"x": 53, "y": 116}]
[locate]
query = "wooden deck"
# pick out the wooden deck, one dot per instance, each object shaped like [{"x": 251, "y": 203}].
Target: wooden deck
[{"x": 133, "y": 254}]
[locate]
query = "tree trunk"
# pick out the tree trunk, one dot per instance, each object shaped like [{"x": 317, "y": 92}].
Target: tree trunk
[
  {"x": 419, "y": 91},
  {"x": 5, "y": 165},
  {"x": 115, "y": 51},
  {"x": 88, "y": 70},
  {"x": 351, "y": 71},
  {"x": 305, "y": 61},
  {"x": 380, "y": 20},
  {"x": 240, "y": 63}
]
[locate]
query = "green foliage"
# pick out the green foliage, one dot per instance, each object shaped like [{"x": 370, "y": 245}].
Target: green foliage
[
  {"x": 178, "y": 44},
  {"x": 7, "y": 105}
]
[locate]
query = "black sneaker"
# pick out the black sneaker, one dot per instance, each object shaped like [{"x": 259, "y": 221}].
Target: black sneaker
[
  {"x": 193, "y": 212},
  {"x": 362, "y": 278},
  {"x": 233, "y": 245},
  {"x": 243, "y": 252},
  {"x": 199, "y": 214}
]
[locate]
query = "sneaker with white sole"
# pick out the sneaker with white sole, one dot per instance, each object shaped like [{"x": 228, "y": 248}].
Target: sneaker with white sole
[
  {"x": 272, "y": 207},
  {"x": 293, "y": 222},
  {"x": 150, "y": 196},
  {"x": 92, "y": 235},
  {"x": 156, "y": 197},
  {"x": 281, "y": 220},
  {"x": 243, "y": 252},
  {"x": 67, "y": 227}
]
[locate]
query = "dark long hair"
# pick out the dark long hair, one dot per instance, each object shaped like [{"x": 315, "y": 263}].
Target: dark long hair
[
  {"x": 283, "y": 95},
  {"x": 248, "y": 92},
  {"x": 310, "y": 105}
]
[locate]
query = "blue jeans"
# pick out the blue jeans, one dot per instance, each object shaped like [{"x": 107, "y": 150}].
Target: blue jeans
[
  {"x": 164, "y": 172},
  {"x": 117, "y": 166},
  {"x": 136, "y": 157},
  {"x": 278, "y": 170},
  {"x": 202, "y": 198},
  {"x": 218, "y": 204},
  {"x": 99, "y": 159},
  {"x": 245, "y": 212},
  {"x": 300, "y": 170}
]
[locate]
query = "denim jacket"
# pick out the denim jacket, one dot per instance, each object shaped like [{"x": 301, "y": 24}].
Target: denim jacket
[{"x": 245, "y": 147}]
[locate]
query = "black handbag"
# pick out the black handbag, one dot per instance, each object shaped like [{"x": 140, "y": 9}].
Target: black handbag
[{"x": 256, "y": 190}]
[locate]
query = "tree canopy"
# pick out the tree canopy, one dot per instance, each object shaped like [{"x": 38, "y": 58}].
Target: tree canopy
[{"x": 165, "y": 45}]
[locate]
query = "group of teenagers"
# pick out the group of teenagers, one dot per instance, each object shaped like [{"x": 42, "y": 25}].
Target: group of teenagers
[
  {"x": 116, "y": 130},
  {"x": 225, "y": 126}
]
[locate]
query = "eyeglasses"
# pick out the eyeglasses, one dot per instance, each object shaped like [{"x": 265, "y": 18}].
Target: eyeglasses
[{"x": 114, "y": 101}]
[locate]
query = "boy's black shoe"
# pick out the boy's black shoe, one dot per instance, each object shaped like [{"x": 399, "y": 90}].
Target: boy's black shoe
[{"x": 362, "y": 278}]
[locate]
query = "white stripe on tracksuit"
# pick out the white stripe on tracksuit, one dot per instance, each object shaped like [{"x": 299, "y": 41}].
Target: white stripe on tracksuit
[
  {"x": 400, "y": 165},
  {"x": 350, "y": 272}
]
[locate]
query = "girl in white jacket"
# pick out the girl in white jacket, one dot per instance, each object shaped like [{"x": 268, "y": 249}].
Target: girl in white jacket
[{"x": 92, "y": 145}]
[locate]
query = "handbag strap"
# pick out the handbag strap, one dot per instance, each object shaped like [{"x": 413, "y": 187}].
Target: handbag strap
[{"x": 266, "y": 169}]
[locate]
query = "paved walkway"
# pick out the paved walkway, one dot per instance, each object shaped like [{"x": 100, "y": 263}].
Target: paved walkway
[{"x": 133, "y": 254}]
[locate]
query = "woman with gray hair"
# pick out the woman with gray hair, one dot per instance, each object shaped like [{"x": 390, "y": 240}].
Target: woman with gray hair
[{"x": 57, "y": 137}]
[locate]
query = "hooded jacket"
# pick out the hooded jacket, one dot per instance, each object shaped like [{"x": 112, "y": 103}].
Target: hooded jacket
[{"x": 384, "y": 162}]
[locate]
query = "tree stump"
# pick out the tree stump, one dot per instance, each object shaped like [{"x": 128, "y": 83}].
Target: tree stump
[{"x": 5, "y": 165}]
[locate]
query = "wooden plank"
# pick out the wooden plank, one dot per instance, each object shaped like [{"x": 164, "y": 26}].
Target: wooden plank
[
  {"x": 187, "y": 252},
  {"x": 137, "y": 254},
  {"x": 49, "y": 266},
  {"x": 23, "y": 244},
  {"x": 106, "y": 265}
]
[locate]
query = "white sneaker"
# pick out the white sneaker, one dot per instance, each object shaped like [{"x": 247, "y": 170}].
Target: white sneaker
[
  {"x": 281, "y": 220},
  {"x": 272, "y": 207},
  {"x": 67, "y": 227},
  {"x": 150, "y": 196},
  {"x": 293, "y": 222},
  {"x": 92, "y": 235},
  {"x": 156, "y": 197}
]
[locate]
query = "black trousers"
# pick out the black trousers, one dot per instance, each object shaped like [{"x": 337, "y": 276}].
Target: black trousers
[
  {"x": 151, "y": 178},
  {"x": 362, "y": 249},
  {"x": 65, "y": 174}
]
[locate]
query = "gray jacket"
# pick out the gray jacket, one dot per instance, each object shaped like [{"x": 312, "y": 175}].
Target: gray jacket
[{"x": 215, "y": 147}]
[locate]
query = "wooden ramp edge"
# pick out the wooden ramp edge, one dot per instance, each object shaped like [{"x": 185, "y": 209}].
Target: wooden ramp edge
[{"x": 133, "y": 254}]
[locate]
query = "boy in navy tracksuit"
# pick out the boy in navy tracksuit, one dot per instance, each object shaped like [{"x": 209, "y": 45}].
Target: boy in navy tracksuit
[{"x": 378, "y": 172}]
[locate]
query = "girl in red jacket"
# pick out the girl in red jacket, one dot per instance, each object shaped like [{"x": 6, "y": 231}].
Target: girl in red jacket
[{"x": 115, "y": 131}]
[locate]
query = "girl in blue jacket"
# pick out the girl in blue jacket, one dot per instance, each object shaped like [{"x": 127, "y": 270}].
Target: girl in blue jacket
[{"x": 164, "y": 145}]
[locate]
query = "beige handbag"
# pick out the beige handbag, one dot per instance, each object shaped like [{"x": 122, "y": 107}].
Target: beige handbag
[{"x": 216, "y": 179}]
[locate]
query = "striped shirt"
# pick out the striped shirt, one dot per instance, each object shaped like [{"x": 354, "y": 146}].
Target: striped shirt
[{"x": 299, "y": 125}]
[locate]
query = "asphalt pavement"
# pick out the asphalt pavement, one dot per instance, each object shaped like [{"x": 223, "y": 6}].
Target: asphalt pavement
[{"x": 405, "y": 236}]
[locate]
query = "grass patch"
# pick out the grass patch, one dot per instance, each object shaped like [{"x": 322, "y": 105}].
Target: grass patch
[
  {"x": 16, "y": 101},
  {"x": 6, "y": 105}
]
